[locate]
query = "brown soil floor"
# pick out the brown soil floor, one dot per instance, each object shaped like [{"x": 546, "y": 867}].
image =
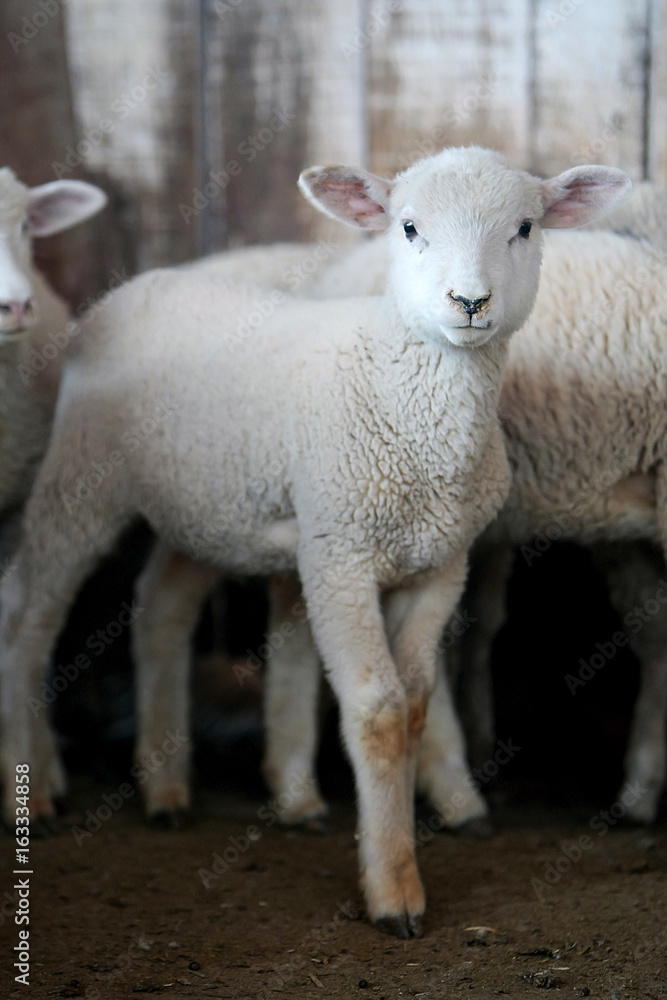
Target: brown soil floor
[{"x": 125, "y": 912}]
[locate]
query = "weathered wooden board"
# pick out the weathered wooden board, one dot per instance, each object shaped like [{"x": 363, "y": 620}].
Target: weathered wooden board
[
  {"x": 656, "y": 117},
  {"x": 590, "y": 84},
  {"x": 198, "y": 116},
  {"x": 445, "y": 74},
  {"x": 134, "y": 77},
  {"x": 281, "y": 94},
  {"x": 36, "y": 126}
]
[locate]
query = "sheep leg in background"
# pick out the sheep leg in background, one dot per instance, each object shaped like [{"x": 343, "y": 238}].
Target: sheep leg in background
[
  {"x": 35, "y": 601},
  {"x": 169, "y": 593},
  {"x": 290, "y": 709},
  {"x": 443, "y": 776},
  {"x": 484, "y": 612},
  {"x": 414, "y": 621},
  {"x": 635, "y": 574}
]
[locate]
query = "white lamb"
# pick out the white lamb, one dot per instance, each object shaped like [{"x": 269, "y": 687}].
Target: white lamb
[
  {"x": 578, "y": 474},
  {"x": 33, "y": 322},
  {"x": 356, "y": 441},
  {"x": 292, "y": 681}
]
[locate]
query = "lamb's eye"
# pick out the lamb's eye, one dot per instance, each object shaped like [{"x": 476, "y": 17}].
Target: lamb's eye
[
  {"x": 525, "y": 228},
  {"x": 409, "y": 230},
  {"x": 24, "y": 227}
]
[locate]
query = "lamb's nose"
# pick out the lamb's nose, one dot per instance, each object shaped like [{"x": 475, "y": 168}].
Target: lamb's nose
[
  {"x": 19, "y": 311},
  {"x": 470, "y": 306}
]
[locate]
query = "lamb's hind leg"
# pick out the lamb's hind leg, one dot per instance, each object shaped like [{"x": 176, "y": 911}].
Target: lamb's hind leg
[
  {"x": 169, "y": 593},
  {"x": 442, "y": 772},
  {"x": 444, "y": 775},
  {"x": 61, "y": 543},
  {"x": 290, "y": 709}
]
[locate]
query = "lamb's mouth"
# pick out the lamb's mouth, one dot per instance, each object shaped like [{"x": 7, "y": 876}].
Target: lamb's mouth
[
  {"x": 479, "y": 334},
  {"x": 18, "y": 333}
]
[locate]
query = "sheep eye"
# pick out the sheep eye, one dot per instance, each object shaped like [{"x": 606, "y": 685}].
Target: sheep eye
[
  {"x": 409, "y": 230},
  {"x": 24, "y": 227},
  {"x": 525, "y": 228}
]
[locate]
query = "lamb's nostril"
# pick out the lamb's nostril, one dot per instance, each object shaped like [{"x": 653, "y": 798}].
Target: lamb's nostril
[
  {"x": 18, "y": 310},
  {"x": 470, "y": 306}
]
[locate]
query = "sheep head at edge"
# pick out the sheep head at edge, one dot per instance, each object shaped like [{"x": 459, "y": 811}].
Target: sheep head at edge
[{"x": 24, "y": 213}]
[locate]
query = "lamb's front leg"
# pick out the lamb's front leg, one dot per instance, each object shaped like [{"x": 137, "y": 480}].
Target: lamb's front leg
[{"x": 348, "y": 625}]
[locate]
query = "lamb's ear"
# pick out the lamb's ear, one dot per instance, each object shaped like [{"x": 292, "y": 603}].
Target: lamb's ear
[
  {"x": 61, "y": 204},
  {"x": 348, "y": 194},
  {"x": 582, "y": 194}
]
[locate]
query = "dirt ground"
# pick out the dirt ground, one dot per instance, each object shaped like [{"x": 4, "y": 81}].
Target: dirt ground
[{"x": 125, "y": 911}]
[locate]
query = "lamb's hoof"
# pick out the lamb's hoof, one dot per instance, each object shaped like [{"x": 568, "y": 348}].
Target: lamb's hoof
[
  {"x": 400, "y": 926},
  {"x": 480, "y": 828},
  {"x": 312, "y": 826},
  {"x": 42, "y": 827},
  {"x": 170, "y": 820}
]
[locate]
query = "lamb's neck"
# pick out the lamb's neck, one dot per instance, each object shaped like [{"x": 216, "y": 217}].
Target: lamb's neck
[{"x": 432, "y": 390}]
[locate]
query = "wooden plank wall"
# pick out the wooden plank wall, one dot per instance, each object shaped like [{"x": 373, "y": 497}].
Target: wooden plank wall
[{"x": 197, "y": 115}]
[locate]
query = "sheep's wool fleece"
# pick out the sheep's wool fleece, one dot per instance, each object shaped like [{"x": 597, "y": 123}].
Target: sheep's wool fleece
[{"x": 240, "y": 424}]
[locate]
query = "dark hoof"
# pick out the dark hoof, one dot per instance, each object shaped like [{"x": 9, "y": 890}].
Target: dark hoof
[
  {"x": 476, "y": 829},
  {"x": 42, "y": 827},
  {"x": 400, "y": 926},
  {"x": 169, "y": 819},
  {"x": 312, "y": 826}
]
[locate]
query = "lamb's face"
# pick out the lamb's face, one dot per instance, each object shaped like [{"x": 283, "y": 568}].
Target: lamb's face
[
  {"x": 464, "y": 234},
  {"x": 466, "y": 247},
  {"x": 16, "y": 313},
  {"x": 24, "y": 213}
]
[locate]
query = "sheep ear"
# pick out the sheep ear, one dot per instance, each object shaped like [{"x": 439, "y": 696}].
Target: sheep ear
[
  {"x": 61, "y": 204},
  {"x": 582, "y": 194},
  {"x": 350, "y": 195}
]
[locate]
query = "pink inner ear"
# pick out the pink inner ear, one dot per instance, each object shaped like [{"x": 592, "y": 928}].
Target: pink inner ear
[
  {"x": 576, "y": 200},
  {"x": 348, "y": 198},
  {"x": 364, "y": 208}
]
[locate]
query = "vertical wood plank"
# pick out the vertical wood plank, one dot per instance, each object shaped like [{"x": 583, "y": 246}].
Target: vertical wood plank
[
  {"x": 447, "y": 74},
  {"x": 283, "y": 92},
  {"x": 657, "y": 112},
  {"x": 134, "y": 76},
  {"x": 590, "y": 84},
  {"x": 36, "y": 123}
]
